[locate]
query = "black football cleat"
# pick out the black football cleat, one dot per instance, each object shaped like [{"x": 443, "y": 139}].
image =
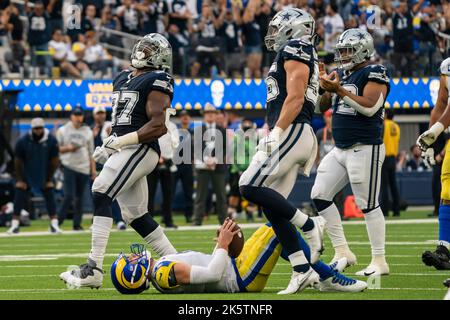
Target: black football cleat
[{"x": 440, "y": 259}]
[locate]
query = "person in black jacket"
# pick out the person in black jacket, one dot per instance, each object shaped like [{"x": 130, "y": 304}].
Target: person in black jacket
[{"x": 209, "y": 161}]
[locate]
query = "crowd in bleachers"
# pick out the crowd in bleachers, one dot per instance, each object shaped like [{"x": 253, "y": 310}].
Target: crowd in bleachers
[{"x": 69, "y": 38}]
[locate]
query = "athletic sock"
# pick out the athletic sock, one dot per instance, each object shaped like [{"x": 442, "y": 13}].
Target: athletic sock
[
  {"x": 101, "y": 227},
  {"x": 159, "y": 242},
  {"x": 334, "y": 226},
  {"x": 376, "y": 230},
  {"x": 444, "y": 225},
  {"x": 299, "y": 262},
  {"x": 54, "y": 223},
  {"x": 15, "y": 223},
  {"x": 302, "y": 221}
]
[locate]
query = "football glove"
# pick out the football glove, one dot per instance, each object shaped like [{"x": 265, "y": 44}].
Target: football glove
[
  {"x": 100, "y": 155},
  {"x": 270, "y": 143},
  {"x": 428, "y": 157},
  {"x": 427, "y": 138}
]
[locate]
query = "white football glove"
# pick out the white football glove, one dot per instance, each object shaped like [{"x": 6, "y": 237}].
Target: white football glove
[
  {"x": 427, "y": 138},
  {"x": 428, "y": 157},
  {"x": 100, "y": 155},
  {"x": 111, "y": 144},
  {"x": 270, "y": 143}
]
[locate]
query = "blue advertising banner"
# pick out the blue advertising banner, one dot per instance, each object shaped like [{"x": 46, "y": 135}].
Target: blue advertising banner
[{"x": 63, "y": 95}]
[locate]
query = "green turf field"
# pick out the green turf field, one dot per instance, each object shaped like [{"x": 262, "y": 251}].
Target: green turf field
[{"x": 30, "y": 264}]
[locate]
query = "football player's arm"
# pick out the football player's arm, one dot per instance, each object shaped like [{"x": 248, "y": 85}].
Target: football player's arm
[
  {"x": 367, "y": 104},
  {"x": 297, "y": 74},
  {"x": 440, "y": 111},
  {"x": 187, "y": 274},
  {"x": 157, "y": 103}
]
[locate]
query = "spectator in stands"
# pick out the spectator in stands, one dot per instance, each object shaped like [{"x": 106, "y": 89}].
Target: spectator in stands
[
  {"x": 36, "y": 159},
  {"x": 101, "y": 130},
  {"x": 88, "y": 23},
  {"x": 96, "y": 57},
  {"x": 180, "y": 15},
  {"x": 184, "y": 171},
  {"x": 54, "y": 9},
  {"x": 233, "y": 44},
  {"x": 424, "y": 33},
  {"x": 208, "y": 48},
  {"x": 38, "y": 38},
  {"x": 179, "y": 45},
  {"x": 163, "y": 173},
  {"x": 266, "y": 14},
  {"x": 319, "y": 8},
  {"x": 76, "y": 57},
  {"x": 129, "y": 17},
  {"x": 59, "y": 48},
  {"x": 110, "y": 21},
  {"x": 76, "y": 145},
  {"x": 252, "y": 38},
  {"x": 210, "y": 165},
  {"x": 333, "y": 27},
  {"x": 391, "y": 140},
  {"x": 14, "y": 26},
  {"x": 155, "y": 15},
  {"x": 416, "y": 162},
  {"x": 403, "y": 36}
]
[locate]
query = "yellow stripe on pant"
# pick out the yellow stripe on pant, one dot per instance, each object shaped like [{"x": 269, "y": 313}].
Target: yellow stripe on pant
[
  {"x": 445, "y": 174},
  {"x": 258, "y": 258}
]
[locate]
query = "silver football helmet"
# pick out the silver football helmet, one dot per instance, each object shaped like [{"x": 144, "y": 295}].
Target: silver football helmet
[
  {"x": 291, "y": 23},
  {"x": 152, "y": 51},
  {"x": 354, "y": 46}
]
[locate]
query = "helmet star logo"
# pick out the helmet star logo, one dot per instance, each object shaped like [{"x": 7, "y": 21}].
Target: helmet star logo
[
  {"x": 286, "y": 16},
  {"x": 360, "y": 36}
]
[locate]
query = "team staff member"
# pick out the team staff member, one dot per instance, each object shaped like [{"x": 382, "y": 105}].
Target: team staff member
[
  {"x": 391, "y": 138},
  {"x": 36, "y": 161},
  {"x": 76, "y": 145}
]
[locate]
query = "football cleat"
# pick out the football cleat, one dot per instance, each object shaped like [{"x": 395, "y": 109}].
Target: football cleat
[
  {"x": 344, "y": 253},
  {"x": 447, "y": 284},
  {"x": 440, "y": 258},
  {"x": 300, "y": 281},
  {"x": 340, "y": 283},
  {"x": 339, "y": 265},
  {"x": 121, "y": 226},
  {"x": 315, "y": 238},
  {"x": 13, "y": 230},
  {"x": 54, "y": 227},
  {"x": 85, "y": 276},
  {"x": 374, "y": 270}
]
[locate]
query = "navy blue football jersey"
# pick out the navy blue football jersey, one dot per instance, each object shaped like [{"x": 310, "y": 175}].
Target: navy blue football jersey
[
  {"x": 349, "y": 126},
  {"x": 276, "y": 81},
  {"x": 129, "y": 100}
]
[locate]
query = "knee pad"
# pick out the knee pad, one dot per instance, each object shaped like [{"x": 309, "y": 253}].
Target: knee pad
[
  {"x": 318, "y": 192},
  {"x": 102, "y": 204},
  {"x": 321, "y": 205},
  {"x": 144, "y": 225},
  {"x": 246, "y": 191}
]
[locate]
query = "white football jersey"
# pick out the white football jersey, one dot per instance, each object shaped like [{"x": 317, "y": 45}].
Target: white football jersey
[{"x": 227, "y": 283}]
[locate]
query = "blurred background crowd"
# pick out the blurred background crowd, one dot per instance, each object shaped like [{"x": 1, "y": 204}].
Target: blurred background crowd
[{"x": 93, "y": 38}]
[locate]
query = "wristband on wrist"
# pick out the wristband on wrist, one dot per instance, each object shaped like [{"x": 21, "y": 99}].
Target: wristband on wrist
[{"x": 128, "y": 139}]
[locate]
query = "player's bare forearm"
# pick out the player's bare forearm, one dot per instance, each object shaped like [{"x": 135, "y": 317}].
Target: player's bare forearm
[
  {"x": 157, "y": 103},
  {"x": 370, "y": 95},
  {"x": 297, "y": 74}
]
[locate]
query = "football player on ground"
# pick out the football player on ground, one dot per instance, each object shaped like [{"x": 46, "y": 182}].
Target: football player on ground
[
  {"x": 141, "y": 106},
  {"x": 196, "y": 272},
  {"x": 292, "y": 92},
  {"x": 356, "y": 91},
  {"x": 440, "y": 119}
]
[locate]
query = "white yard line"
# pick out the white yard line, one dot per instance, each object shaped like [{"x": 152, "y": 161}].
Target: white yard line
[{"x": 214, "y": 227}]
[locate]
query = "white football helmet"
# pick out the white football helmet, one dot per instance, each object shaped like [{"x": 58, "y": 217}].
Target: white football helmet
[
  {"x": 354, "y": 46},
  {"x": 291, "y": 23},
  {"x": 152, "y": 51}
]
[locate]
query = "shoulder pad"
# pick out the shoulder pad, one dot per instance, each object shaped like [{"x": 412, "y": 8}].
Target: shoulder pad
[
  {"x": 445, "y": 67},
  {"x": 163, "y": 82},
  {"x": 297, "y": 50},
  {"x": 378, "y": 73}
]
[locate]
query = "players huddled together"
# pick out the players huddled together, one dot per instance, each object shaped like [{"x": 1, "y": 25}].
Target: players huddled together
[{"x": 297, "y": 87}]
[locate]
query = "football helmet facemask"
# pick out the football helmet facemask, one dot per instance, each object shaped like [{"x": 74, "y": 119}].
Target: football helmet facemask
[
  {"x": 152, "y": 51},
  {"x": 354, "y": 46}
]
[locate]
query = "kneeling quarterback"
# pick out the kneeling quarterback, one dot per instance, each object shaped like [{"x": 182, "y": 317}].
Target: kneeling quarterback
[
  {"x": 440, "y": 119},
  {"x": 196, "y": 272},
  {"x": 356, "y": 91},
  {"x": 141, "y": 106}
]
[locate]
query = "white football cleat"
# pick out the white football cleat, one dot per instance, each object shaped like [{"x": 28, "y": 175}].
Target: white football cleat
[
  {"x": 300, "y": 281},
  {"x": 315, "y": 238},
  {"x": 340, "y": 283},
  {"x": 374, "y": 270},
  {"x": 121, "y": 226},
  {"x": 54, "y": 227},
  {"x": 347, "y": 254},
  {"x": 85, "y": 276},
  {"x": 339, "y": 265}
]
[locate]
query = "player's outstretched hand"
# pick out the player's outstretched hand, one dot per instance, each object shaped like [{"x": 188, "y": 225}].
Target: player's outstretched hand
[
  {"x": 428, "y": 157},
  {"x": 226, "y": 234},
  {"x": 329, "y": 82}
]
